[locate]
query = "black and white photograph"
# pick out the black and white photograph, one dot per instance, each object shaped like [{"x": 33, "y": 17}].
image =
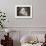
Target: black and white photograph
[{"x": 23, "y": 11}]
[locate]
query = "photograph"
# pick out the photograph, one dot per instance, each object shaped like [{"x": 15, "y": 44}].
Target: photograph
[{"x": 23, "y": 11}]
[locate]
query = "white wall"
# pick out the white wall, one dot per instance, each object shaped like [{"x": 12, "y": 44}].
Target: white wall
[
  {"x": 38, "y": 21},
  {"x": 39, "y": 13}
]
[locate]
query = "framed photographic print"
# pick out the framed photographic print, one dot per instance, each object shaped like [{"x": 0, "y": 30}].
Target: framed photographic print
[{"x": 23, "y": 11}]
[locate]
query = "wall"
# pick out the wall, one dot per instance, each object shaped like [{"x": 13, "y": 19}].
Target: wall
[
  {"x": 38, "y": 21},
  {"x": 39, "y": 13}
]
